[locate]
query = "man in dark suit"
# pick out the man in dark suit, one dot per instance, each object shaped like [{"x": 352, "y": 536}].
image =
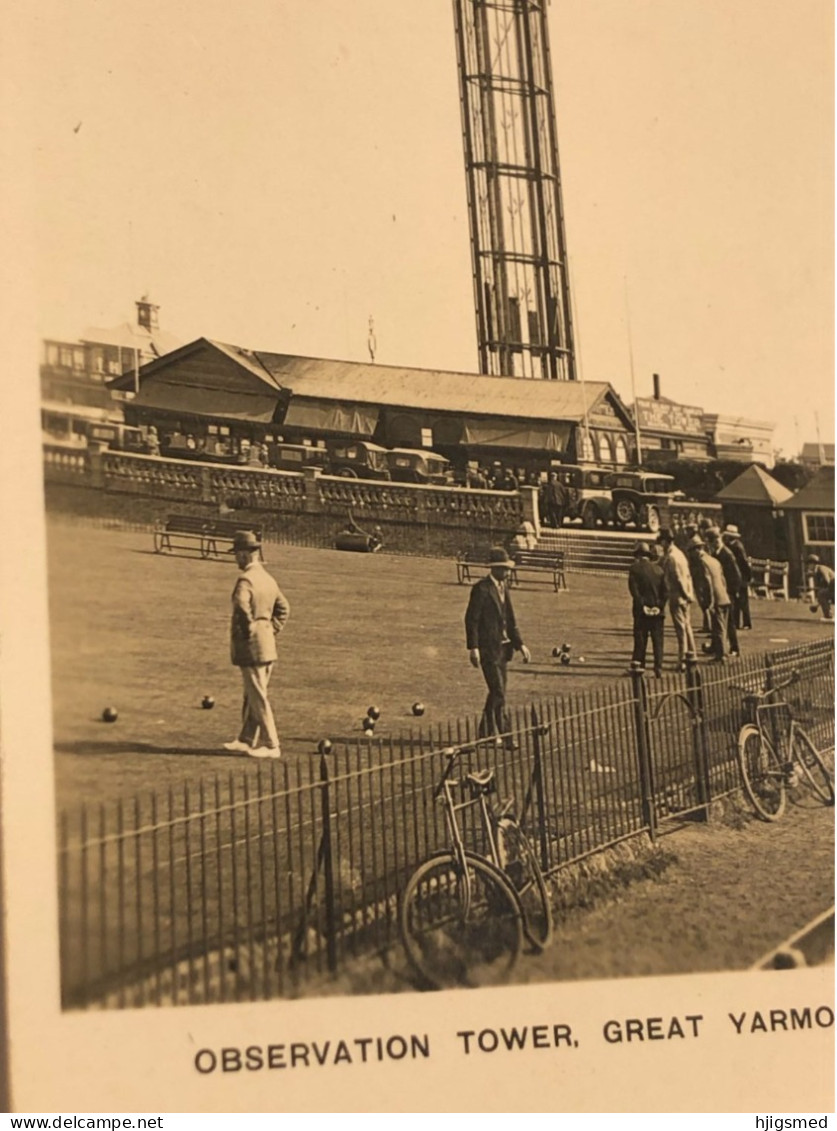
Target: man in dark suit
[
  {"x": 493, "y": 637},
  {"x": 647, "y": 588}
]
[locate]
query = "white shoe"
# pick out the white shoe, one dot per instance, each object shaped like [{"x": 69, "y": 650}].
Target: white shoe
[
  {"x": 264, "y": 751},
  {"x": 237, "y": 747}
]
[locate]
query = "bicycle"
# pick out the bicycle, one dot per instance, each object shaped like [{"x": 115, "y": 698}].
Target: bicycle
[
  {"x": 776, "y": 755},
  {"x": 464, "y": 915}
]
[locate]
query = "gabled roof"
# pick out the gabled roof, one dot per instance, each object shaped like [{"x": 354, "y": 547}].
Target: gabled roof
[
  {"x": 754, "y": 485},
  {"x": 440, "y": 390},
  {"x": 242, "y": 357},
  {"x": 818, "y": 495}
]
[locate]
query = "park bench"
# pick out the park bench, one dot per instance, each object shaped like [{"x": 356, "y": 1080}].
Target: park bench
[
  {"x": 769, "y": 579},
  {"x": 549, "y": 563},
  {"x": 473, "y": 559},
  {"x": 208, "y": 536}
]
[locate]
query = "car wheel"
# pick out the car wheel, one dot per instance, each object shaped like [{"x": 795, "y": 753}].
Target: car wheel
[
  {"x": 347, "y": 473},
  {"x": 625, "y": 512}
]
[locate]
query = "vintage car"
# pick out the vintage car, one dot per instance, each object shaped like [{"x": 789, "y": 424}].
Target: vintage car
[
  {"x": 588, "y": 493},
  {"x": 414, "y": 465},
  {"x": 294, "y": 457},
  {"x": 357, "y": 459},
  {"x": 640, "y": 498}
]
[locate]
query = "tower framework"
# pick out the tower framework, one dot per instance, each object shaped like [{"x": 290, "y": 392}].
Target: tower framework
[{"x": 518, "y": 243}]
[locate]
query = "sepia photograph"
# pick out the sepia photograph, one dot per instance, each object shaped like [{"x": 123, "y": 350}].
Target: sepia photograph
[{"x": 433, "y": 448}]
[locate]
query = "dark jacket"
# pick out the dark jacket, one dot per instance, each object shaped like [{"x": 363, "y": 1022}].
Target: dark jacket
[
  {"x": 734, "y": 543},
  {"x": 489, "y": 624},
  {"x": 646, "y": 584},
  {"x": 732, "y": 574}
]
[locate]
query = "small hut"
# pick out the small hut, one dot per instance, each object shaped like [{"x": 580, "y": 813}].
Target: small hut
[
  {"x": 754, "y": 501},
  {"x": 809, "y": 521}
]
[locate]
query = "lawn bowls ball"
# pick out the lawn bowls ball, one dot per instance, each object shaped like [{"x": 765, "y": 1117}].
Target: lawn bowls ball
[
  {"x": 566, "y": 647},
  {"x": 813, "y": 608},
  {"x": 368, "y": 723},
  {"x": 418, "y": 708},
  {"x": 207, "y": 702},
  {"x": 556, "y": 652},
  {"x": 110, "y": 715},
  {"x": 324, "y": 746},
  {"x": 581, "y": 660},
  {"x": 368, "y": 732},
  {"x": 374, "y": 713},
  {"x": 565, "y": 659}
]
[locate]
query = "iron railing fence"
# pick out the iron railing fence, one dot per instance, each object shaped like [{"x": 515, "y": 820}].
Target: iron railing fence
[{"x": 247, "y": 884}]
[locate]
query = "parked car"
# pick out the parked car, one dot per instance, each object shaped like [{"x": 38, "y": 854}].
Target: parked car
[
  {"x": 293, "y": 457},
  {"x": 118, "y": 437},
  {"x": 640, "y": 497},
  {"x": 588, "y": 493},
  {"x": 357, "y": 459},
  {"x": 414, "y": 465}
]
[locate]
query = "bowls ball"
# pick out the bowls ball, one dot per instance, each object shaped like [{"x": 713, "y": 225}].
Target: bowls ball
[
  {"x": 374, "y": 713},
  {"x": 324, "y": 746},
  {"x": 418, "y": 708},
  {"x": 110, "y": 715},
  {"x": 207, "y": 702}
]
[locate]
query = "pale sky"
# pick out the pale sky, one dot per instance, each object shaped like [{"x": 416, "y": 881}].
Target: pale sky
[{"x": 272, "y": 173}]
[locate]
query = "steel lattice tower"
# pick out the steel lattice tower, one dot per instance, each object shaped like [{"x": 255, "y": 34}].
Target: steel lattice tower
[{"x": 518, "y": 244}]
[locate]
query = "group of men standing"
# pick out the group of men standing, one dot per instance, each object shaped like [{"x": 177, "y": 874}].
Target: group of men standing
[{"x": 714, "y": 573}]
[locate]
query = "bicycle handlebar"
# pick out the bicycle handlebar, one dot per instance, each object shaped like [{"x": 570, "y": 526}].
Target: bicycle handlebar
[{"x": 765, "y": 691}]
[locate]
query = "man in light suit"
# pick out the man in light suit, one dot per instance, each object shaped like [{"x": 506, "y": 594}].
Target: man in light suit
[
  {"x": 713, "y": 595},
  {"x": 259, "y": 613},
  {"x": 493, "y": 637}
]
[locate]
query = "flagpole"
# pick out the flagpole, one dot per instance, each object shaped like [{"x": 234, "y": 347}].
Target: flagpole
[{"x": 633, "y": 378}]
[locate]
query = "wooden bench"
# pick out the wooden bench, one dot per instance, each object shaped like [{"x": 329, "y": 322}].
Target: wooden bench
[
  {"x": 546, "y": 562},
  {"x": 476, "y": 559},
  {"x": 770, "y": 579},
  {"x": 186, "y": 532}
]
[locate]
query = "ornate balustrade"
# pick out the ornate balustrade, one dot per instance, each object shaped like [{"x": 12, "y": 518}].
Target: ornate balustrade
[{"x": 61, "y": 460}]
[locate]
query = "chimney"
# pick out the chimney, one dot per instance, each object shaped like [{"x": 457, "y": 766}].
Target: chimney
[
  {"x": 147, "y": 314},
  {"x": 656, "y": 378}
]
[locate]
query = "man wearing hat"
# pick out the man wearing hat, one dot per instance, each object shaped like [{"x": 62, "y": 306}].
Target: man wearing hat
[
  {"x": 645, "y": 582},
  {"x": 821, "y": 580},
  {"x": 493, "y": 637},
  {"x": 740, "y": 603},
  {"x": 259, "y": 613},
  {"x": 712, "y": 594},
  {"x": 680, "y": 593},
  {"x": 732, "y": 579}
]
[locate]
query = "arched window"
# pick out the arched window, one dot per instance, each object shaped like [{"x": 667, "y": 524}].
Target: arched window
[
  {"x": 621, "y": 450},
  {"x": 588, "y": 452},
  {"x": 605, "y": 449}
]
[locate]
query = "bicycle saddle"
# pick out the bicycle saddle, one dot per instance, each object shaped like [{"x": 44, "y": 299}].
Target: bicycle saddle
[{"x": 481, "y": 780}]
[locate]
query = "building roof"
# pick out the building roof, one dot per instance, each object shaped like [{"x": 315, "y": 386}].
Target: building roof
[
  {"x": 817, "y": 453},
  {"x": 402, "y": 387},
  {"x": 754, "y": 485},
  {"x": 818, "y": 495},
  {"x": 362, "y": 383}
]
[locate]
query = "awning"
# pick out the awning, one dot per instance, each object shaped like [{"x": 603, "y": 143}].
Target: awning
[
  {"x": 328, "y": 416},
  {"x": 193, "y": 400},
  {"x": 546, "y": 437}
]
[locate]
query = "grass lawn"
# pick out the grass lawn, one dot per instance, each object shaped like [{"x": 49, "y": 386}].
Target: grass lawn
[{"x": 148, "y": 634}]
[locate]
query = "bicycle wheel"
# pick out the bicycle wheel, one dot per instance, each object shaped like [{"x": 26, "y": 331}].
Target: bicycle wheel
[
  {"x": 460, "y": 931},
  {"x": 523, "y": 870},
  {"x": 814, "y": 774},
  {"x": 761, "y": 770}
]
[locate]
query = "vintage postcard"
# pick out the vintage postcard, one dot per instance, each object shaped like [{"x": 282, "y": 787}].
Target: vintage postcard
[{"x": 417, "y": 644}]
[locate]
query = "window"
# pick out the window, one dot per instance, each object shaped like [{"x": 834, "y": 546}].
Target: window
[
  {"x": 588, "y": 452},
  {"x": 605, "y": 450},
  {"x": 427, "y": 437},
  {"x": 224, "y": 430},
  {"x": 621, "y": 451},
  {"x": 78, "y": 359},
  {"x": 819, "y": 529},
  {"x": 66, "y": 357}
]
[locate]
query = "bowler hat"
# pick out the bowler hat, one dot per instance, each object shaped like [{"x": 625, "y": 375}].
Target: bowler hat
[
  {"x": 497, "y": 556},
  {"x": 665, "y": 535},
  {"x": 696, "y": 543},
  {"x": 642, "y": 549},
  {"x": 245, "y": 540}
]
